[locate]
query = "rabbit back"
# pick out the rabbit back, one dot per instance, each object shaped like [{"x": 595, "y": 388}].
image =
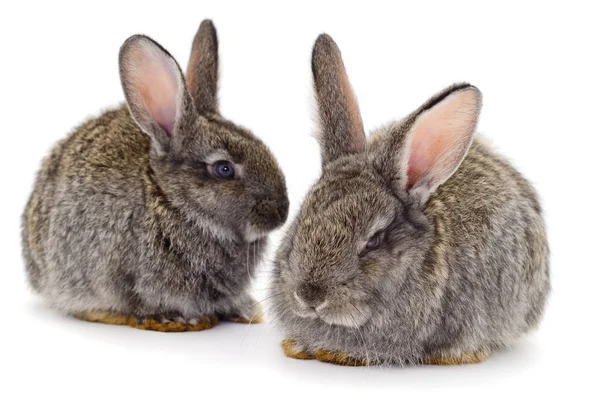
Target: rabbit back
[
  {"x": 489, "y": 224},
  {"x": 87, "y": 208}
]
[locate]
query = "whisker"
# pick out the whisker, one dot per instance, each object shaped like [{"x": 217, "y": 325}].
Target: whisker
[{"x": 361, "y": 335}]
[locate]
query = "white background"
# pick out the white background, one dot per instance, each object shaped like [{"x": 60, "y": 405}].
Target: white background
[{"x": 537, "y": 66}]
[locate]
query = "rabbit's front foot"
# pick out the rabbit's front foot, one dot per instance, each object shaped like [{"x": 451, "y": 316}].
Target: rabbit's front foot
[
  {"x": 157, "y": 323},
  {"x": 248, "y": 311},
  {"x": 340, "y": 358},
  {"x": 293, "y": 350},
  {"x": 466, "y": 358}
]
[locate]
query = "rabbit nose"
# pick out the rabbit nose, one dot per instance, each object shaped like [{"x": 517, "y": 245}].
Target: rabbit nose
[
  {"x": 270, "y": 212},
  {"x": 310, "y": 294}
]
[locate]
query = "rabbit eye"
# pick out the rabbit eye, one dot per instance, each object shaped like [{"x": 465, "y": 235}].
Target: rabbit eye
[
  {"x": 373, "y": 242},
  {"x": 224, "y": 169}
]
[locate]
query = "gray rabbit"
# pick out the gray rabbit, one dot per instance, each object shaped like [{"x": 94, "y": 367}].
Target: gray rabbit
[
  {"x": 417, "y": 245},
  {"x": 155, "y": 214}
]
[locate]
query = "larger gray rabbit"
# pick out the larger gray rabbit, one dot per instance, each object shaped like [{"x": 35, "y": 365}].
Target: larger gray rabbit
[
  {"x": 417, "y": 245},
  {"x": 155, "y": 214}
]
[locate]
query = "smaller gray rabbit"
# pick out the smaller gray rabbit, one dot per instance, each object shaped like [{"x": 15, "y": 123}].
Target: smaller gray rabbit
[
  {"x": 155, "y": 214},
  {"x": 418, "y": 245}
]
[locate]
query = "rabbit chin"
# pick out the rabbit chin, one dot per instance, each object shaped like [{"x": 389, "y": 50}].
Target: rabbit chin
[
  {"x": 347, "y": 315},
  {"x": 252, "y": 234}
]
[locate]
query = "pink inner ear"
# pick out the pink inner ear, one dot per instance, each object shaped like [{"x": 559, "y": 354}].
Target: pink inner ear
[
  {"x": 420, "y": 157},
  {"x": 158, "y": 86},
  {"x": 440, "y": 138}
]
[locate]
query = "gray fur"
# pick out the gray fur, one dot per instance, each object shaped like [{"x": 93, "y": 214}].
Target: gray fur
[
  {"x": 128, "y": 219},
  {"x": 462, "y": 267},
  {"x": 341, "y": 129},
  {"x": 202, "y": 73}
]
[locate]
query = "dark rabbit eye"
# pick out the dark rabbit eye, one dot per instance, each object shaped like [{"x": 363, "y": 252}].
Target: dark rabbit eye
[
  {"x": 224, "y": 169},
  {"x": 373, "y": 242}
]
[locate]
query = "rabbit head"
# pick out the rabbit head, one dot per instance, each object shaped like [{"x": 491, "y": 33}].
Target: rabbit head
[
  {"x": 210, "y": 169},
  {"x": 363, "y": 228}
]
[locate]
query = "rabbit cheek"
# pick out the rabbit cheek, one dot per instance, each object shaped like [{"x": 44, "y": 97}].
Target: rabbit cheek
[
  {"x": 231, "y": 190},
  {"x": 373, "y": 268}
]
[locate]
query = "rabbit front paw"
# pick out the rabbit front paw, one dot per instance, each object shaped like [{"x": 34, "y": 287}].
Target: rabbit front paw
[
  {"x": 339, "y": 358},
  {"x": 294, "y": 350}
]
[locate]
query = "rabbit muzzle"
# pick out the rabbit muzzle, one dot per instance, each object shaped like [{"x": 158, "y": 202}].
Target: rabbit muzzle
[{"x": 265, "y": 216}]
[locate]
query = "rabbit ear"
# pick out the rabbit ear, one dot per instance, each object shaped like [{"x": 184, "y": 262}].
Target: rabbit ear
[
  {"x": 341, "y": 129},
  {"x": 203, "y": 68},
  {"x": 154, "y": 88},
  {"x": 422, "y": 152}
]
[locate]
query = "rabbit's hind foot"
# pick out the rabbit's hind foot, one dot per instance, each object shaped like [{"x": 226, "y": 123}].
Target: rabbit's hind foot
[
  {"x": 466, "y": 358},
  {"x": 149, "y": 323},
  {"x": 167, "y": 326}
]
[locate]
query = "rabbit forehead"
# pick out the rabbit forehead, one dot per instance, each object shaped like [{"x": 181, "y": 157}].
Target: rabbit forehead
[
  {"x": 328, "y": 239},
  {"x": 345, "y": 210}
]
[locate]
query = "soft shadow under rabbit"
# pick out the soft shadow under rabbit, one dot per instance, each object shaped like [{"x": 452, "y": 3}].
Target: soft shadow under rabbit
[
  {"x": 417, "y": 245},
  {"x": 155, "y": 214}
]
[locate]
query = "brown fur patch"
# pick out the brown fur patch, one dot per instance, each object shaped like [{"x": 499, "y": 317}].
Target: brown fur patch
[
  {"x": 149, "y": 324},
  {"x": 243, "y": 320},
  {"x": 290, "y": 350},
  {"x": 469, "y": 358},
  {"x": 339, "y": 358}
]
